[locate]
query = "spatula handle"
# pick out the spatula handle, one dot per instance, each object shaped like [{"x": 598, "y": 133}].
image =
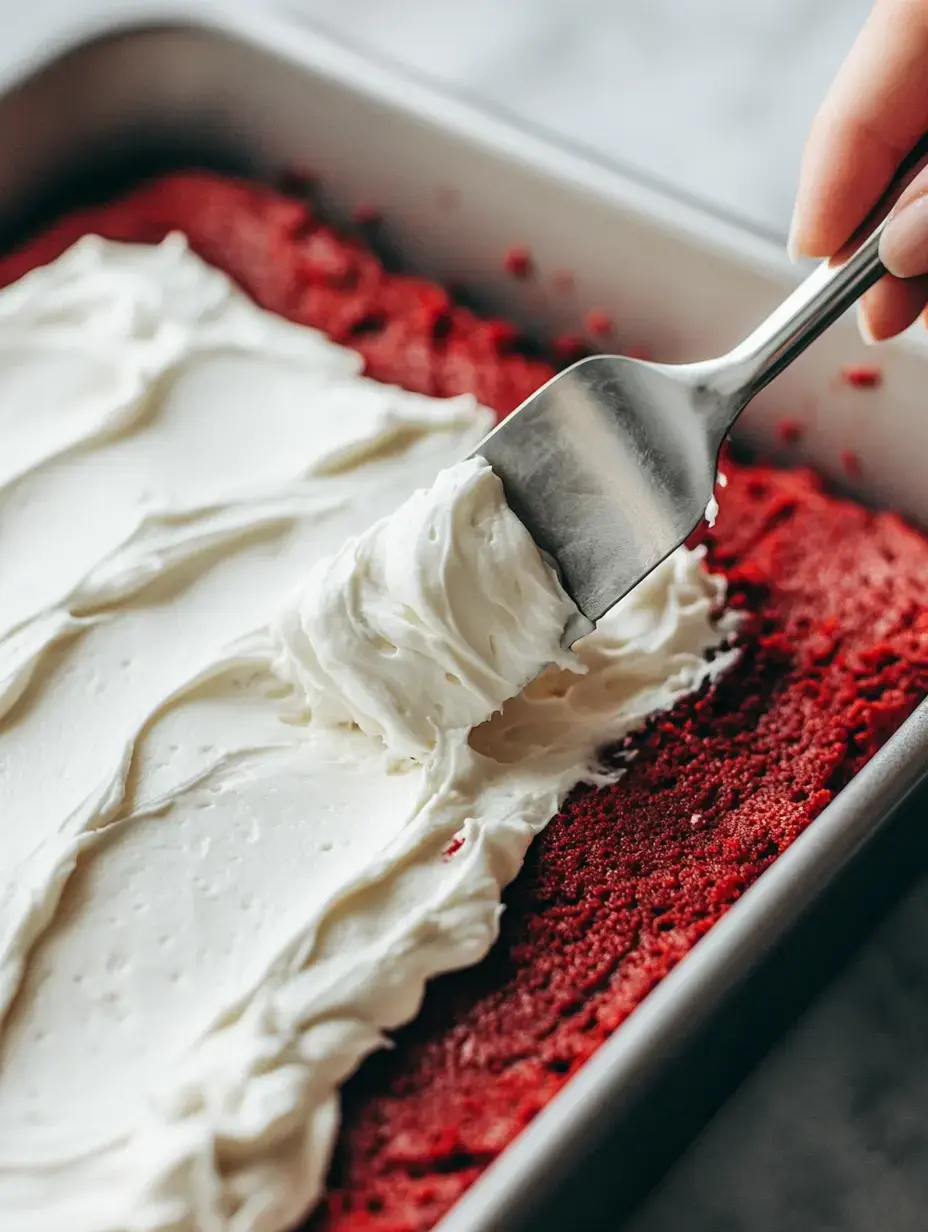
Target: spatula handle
[
  {"x": 818, "y": 301},
  {"x": 815, "y": 304}
]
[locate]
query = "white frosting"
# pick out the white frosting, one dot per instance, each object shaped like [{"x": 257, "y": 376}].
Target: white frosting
[
  {"x": 712, "y": 509},
  {"x": 240, "y": 728},
  {"x": 427, "y": 622}
]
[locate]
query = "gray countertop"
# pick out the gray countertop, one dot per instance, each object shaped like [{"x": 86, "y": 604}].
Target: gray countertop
[
  {"x": 831, "y": 1130},
  {"x": 713, "y": 96}
]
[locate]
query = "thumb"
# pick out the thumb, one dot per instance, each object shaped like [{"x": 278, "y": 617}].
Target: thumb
[{"x": 904, "y": 242}]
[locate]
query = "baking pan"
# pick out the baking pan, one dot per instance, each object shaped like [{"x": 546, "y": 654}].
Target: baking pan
[{"x": 457, "y": 186}]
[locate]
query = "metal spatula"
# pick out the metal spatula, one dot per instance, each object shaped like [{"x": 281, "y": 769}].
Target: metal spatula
[{"x": 611, "y": 465}]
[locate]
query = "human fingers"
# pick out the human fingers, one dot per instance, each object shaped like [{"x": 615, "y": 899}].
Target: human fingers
[
  {"x": 873, "y": 115},
  {"x": 904, "y": 242},
  {"x": 891, "y": 306}
]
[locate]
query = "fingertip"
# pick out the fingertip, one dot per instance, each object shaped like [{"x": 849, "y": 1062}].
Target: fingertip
[
  {"x": 904, "y": 242},
  {"x": 834, "y": 192},
  {"x": 807, "y": 238},
  {"x": 892, "y": 306},
  {"x": 863, "y": 325},
  {"x": 815, "y": 173},
  {"x": 794, "y": 240}
]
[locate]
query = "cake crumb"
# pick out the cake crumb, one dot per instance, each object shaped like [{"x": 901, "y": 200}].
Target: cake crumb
[
  {"x": 789, "y": 431},
  {"x": 502, "y": 335},
  {"x": 569, "y": 347},
  {"x": 862, "y": 376},
  {"x": 599, "y": 322},
  {"x": 850, "y": 462},
  {"x": 517, "y": 261},
  {"x": 366, "y": 215}
]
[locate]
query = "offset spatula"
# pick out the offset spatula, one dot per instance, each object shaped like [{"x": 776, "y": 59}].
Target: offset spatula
[{"x": 610, "y": 466}]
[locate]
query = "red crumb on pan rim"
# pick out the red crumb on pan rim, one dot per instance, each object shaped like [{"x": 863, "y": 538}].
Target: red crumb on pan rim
[
  {"x": 862, "y": 376},
  {"x": 851, "y": 463},
  {"x": 789, "y": 431},
  {"x": 517, "y": 261},
  {"x": 599, "y": 322}
]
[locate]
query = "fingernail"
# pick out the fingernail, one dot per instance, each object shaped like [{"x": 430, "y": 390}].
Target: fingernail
[
  {"x": 904, "y": 242},
  {"x": 792, "y": 243},
  {"x": 863, "y": 326}
]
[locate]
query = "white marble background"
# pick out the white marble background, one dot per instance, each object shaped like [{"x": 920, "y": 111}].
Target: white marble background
[
  {"x": 711, "y": 95},
  {"x": 830, "y": 1134}
]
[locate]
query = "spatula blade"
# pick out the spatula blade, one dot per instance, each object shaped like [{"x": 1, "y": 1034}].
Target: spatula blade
[{"x": 609, "y": 466}]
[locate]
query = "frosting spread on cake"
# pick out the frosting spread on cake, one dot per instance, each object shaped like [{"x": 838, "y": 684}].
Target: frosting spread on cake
[
  {"x": 265, "y": 764},
  {"x": 429, "y": 621}
]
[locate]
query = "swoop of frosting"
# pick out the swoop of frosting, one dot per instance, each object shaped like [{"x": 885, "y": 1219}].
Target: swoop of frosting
[
  {"x": 428, "y": 621},
  {"x": 246, "y": 712}
]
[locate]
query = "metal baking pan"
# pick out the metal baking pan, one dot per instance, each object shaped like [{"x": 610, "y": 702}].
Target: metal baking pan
[{"x": 457, "y": 186}]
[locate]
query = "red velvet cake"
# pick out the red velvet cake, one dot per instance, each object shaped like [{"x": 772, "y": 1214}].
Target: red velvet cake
[{"x": 626, "y": 879}]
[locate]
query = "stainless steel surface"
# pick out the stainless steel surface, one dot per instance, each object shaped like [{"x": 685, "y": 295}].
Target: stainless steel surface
[
  {"x": 260, "y": 95},
  {"x": 610, "y": 465},
  {"x": 726, "y": 385}
]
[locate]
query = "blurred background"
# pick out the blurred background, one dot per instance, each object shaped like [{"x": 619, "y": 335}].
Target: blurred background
[{"x": 710, "y": 96}]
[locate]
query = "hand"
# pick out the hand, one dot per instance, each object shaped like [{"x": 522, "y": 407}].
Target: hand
[{"x": 875, "y": 112}]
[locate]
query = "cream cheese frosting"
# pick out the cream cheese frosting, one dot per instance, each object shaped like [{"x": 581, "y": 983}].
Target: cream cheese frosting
[
  {"x": 428, "y": 621},
  {"x": 259, "y": 670}
]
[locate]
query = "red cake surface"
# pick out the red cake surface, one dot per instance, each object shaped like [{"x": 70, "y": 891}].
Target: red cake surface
[{"x": 627, "y": 878}]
